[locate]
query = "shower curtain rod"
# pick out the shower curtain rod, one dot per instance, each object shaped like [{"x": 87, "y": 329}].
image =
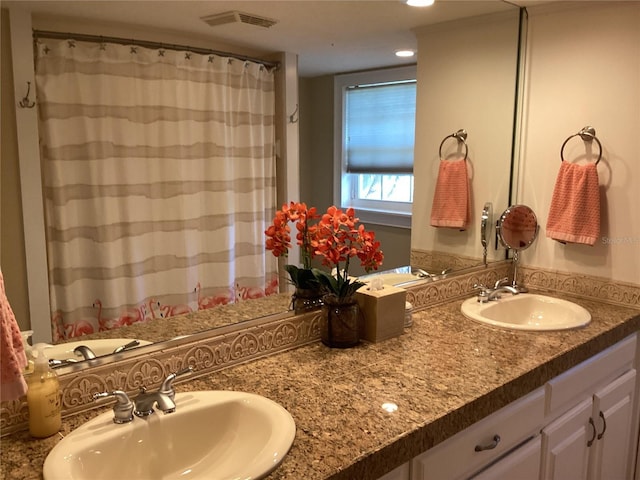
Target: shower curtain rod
[{"x": 148, "y": 44}]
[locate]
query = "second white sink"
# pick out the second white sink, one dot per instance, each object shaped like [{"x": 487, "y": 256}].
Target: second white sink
[
  {"x": 527, "y": 311},
  {"x": 212, "y": 435},
  {"x": 65, "y": 351}
]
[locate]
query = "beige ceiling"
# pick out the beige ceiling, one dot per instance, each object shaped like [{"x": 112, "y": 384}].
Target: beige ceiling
[{"x": 329, "y": 36}]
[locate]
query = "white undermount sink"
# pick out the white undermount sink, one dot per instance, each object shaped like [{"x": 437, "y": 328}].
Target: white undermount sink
[
  {"x": 527, "y": 311},
  {"x": 212, "y": 435}
]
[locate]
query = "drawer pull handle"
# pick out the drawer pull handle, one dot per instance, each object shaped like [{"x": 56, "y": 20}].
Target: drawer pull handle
[
  {"x": 490, "y": 446},
  {"x": 593, "y": 425},
  {"x": 604, "y": 425}
]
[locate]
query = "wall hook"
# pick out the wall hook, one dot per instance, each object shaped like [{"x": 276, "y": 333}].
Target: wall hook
[
  {"x": 293, "y": 118},
  {"x": 26, "y": 102}
]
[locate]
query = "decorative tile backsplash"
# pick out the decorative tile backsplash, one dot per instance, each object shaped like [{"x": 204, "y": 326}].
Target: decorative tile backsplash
[
  {"x": 255, "y": 340},
  {"x": 603, "y": 289},
  {"x": 458, "y": 286},
  {"x": 205, "y": 355},
  {"x": 436, "y": 262}
]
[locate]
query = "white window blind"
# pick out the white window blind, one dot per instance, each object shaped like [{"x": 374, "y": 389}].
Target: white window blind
[{"x": 380, "y": 127}]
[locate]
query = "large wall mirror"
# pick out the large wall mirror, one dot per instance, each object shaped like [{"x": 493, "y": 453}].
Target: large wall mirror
[{"x": 467, "y": 78}]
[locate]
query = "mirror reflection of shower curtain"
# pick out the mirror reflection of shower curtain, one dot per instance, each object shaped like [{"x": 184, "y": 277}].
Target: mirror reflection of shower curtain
[{"x": 159, "y": 181}]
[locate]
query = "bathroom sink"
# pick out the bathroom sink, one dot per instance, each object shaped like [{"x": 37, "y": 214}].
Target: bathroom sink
[
  {"x": 527, "y": 311},
  {"x": 212, "y": 435},
  {"x": 394, "y": 278},
  {"x": 65, "y": 351}
]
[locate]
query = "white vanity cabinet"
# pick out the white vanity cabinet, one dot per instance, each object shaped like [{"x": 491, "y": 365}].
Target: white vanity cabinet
[
  {"x": 613, "y": 451},
  {"x": 582, "y": 424},
  {"x": 595, "y": 438}
]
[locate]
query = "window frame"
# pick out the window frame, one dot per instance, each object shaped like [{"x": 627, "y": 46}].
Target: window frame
[{"x": 370, "y": 211}]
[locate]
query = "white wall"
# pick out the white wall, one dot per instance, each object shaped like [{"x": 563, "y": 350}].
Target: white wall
[
  {"x": 466, "y": 79},
  {"x": 583, "y": 68}
]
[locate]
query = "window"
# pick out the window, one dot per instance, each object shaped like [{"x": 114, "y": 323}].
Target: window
[{"x": 375, "y": 127}]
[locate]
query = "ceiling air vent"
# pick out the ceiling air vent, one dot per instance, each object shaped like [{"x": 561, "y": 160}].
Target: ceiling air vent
[{"x": 238, "y": 17}]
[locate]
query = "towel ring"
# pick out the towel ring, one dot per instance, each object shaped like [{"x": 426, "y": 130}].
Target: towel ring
[
  {"x": 587, "y": 134},
  {"x": 461, "y": 136}
]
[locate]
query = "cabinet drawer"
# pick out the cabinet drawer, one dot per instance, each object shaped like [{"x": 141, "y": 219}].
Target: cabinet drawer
[
  {"x": 457, "y": 457},
  {"x": 521, "y": 464},
  {"x": 566, "y": 390}
]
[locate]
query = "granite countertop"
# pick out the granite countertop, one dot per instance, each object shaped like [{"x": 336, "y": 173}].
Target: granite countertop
[{"x": 444, "y": 374}]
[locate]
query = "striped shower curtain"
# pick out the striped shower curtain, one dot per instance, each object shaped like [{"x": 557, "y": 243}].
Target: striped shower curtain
[{"x": 159, "y": 181}]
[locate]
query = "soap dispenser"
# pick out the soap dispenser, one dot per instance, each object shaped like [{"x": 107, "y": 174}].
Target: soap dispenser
[{"x": 43, "y": 397}]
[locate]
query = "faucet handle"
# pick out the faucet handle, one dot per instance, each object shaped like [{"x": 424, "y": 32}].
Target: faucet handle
[
  {"x": 483, "y": 295},
  {"x": 167, "y": 386},
  {"x": 501, "y": 283},
  {"x": 126, "y": 346},
  {"x": 123, "y": 409}
]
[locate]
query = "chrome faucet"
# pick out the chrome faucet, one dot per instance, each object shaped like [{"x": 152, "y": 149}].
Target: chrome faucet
[
  {"x": 163, "y": 398},
  {"x": 501, "y": 286},
  {"x": 85, "y": 351},
  {"x": 146, "y": 401},
  {"x": 142, "y": 405},
  {"x": 496, "y": 293},
  {"x": 55, "y": 363},
  {"x": 420, "y": 273}
]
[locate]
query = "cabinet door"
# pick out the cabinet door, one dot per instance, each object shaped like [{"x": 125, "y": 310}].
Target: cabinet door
[
  {"x": 565, "y": 451},
  {"x": 400, "y": 473},
  {"x": 611, "y": 456},
  {"x": 523, "y": 463}
]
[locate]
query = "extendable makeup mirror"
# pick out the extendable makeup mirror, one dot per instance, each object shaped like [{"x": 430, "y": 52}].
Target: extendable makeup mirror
[{"x": 517, "y": 228}]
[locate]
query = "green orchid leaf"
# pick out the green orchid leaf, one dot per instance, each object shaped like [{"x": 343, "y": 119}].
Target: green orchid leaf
[
  {"x": 338, "y": 286},
  {"x": 302, "y": 277}
]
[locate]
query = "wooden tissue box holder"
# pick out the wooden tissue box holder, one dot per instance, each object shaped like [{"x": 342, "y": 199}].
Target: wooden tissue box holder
[{"x": 383, "y": 312}]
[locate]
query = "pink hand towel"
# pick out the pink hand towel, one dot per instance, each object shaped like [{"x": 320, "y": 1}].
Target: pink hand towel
[
  {"x": 12, "y": 356},
  {"x": 451, "y": 199},
  {"x": 574, "y": 215}
]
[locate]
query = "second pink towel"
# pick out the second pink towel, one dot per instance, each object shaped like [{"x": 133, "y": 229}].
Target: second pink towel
[
  {"x": 451, "y": 199},
  {"x": 574, "y": 216}
]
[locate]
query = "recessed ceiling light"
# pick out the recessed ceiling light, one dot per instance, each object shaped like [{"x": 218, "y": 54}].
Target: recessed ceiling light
[
  {"x": 405, "y": 53},
  {"x": 420, "y": 3}
]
